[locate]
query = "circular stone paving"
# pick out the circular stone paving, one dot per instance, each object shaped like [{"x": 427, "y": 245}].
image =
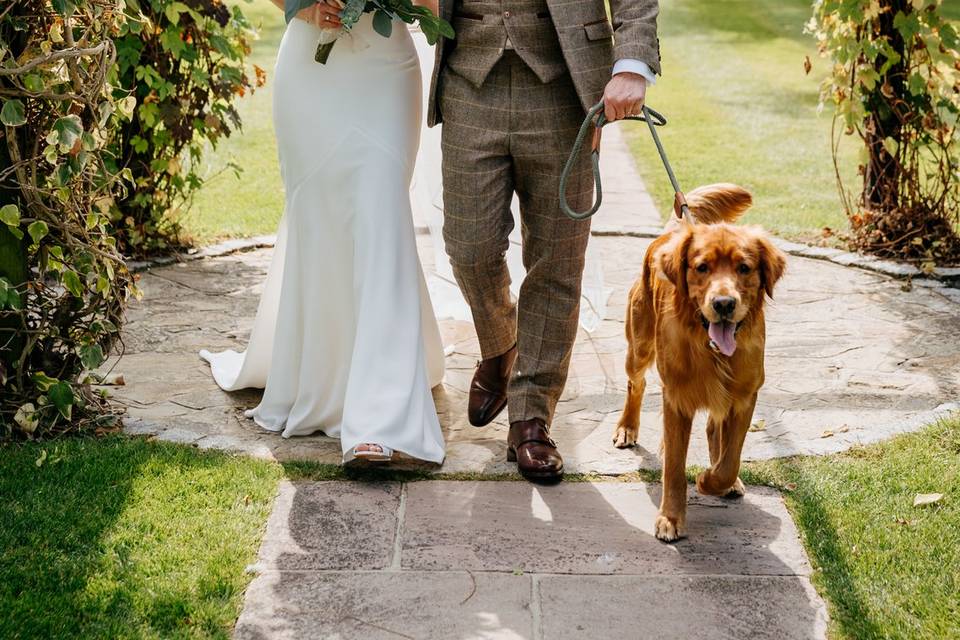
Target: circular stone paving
[{"x": 852, "y": 357}]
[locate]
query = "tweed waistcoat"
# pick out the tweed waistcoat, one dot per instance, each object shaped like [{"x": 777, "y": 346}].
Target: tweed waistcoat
[{"x": 485, "y": 28}]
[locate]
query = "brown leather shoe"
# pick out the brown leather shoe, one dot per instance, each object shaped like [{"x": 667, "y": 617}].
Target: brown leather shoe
[
  {"x": 488, "y": 391},
  {"x": 536, "y": 455}
]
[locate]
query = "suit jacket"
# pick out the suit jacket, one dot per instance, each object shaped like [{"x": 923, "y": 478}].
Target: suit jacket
[{"x": 590, "y": 43}]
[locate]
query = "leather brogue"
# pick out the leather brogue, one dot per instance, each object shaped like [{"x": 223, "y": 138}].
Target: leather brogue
[
  {"x": 488, "y": 390},
  {"x": 529, "y": 445}
]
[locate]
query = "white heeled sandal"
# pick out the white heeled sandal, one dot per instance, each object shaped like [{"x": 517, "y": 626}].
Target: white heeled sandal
[{"x": 355, "y": 456}]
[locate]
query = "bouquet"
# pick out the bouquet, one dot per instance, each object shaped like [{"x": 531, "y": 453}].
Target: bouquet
[{"x": 384, "y": 11}]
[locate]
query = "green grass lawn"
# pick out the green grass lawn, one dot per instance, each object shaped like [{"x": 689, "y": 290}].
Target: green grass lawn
[
  {"x": 741, "y": 109},
  {"x": 127, "y": 538},
  {"x": 229, "y": 206},
  {"x": 887, "y": 569},
  {"x": 122, "y": 538}
]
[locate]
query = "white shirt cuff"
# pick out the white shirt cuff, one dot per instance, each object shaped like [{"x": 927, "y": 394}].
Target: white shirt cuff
[{"x": 629, "y": 65}]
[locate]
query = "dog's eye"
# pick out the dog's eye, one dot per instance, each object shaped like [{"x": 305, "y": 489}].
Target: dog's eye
[
  {"x": 744, "y": 268},
  {"x": 702, "y": 267}
]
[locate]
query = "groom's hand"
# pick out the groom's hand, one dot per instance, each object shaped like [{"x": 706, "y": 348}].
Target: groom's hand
[{"x": 624, "y": 96}]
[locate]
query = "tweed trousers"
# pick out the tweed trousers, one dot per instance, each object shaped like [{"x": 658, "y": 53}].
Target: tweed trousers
[{"x": 514, "y": 134}]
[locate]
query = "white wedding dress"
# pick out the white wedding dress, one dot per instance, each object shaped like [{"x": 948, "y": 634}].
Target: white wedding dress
[{"x": 345, "y": 340}]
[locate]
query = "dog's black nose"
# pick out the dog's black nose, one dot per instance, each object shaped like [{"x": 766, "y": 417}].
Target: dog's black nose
[{"x": 724, "y": 306}]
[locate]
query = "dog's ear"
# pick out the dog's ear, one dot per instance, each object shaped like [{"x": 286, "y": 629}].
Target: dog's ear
[
  {"x": 773, "y": 263},
  {"x": 671, "y": 259}
]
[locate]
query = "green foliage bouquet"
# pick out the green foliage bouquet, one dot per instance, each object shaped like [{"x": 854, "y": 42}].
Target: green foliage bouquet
[{"x": 384, "y": 12}]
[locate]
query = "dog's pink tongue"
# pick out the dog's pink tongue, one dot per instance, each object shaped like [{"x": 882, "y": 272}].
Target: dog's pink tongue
[{"x": 723, "y": 335}]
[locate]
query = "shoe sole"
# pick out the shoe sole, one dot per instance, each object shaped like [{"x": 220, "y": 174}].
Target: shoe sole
[{"x": 493, "y": 416}]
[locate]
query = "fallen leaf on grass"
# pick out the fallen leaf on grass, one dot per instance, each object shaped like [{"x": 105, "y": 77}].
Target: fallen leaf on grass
[
  {"x": 924, "y": 499},
  {"x": 759, "y": 425},
  {"x": 790, "y": 486}
]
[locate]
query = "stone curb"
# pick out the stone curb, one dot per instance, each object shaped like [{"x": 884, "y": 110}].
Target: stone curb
[
  {"x": 945, "y": 278},
  {"x": 948, "y": 276}
]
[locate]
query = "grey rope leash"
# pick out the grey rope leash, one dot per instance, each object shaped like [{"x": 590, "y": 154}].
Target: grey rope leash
[{"x": 653, "y": 119}]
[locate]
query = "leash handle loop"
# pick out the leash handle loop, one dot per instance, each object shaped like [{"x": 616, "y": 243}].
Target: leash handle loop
[{"x": 596, "y": 117}]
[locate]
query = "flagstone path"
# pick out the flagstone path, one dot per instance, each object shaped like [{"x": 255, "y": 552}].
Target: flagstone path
[
  {"x": 851, "y": 358},
  {"x": 511, "y": 560}
]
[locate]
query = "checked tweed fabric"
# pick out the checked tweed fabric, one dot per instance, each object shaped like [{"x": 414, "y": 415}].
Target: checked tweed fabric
[
  {"x": 590, "y": 43},
  {"x": 514, "y": 134},
  {"x": 512, "y": 90}
]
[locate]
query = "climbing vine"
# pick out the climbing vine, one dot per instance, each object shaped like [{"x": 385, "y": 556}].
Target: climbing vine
[
  {"x": 896, "y": 85},
  {"x": 63, "y": 283}
]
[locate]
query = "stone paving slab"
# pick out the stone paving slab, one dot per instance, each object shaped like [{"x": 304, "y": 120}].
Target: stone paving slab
[
  {"x": 510, "y": 560},
  {"x": 852, "y": 358},
  {"x": 680, "y": 608},
  {"x": 290, "y": 605},
  {"x": 585, "y": 528},
  {"x": 332, "y": 525}
]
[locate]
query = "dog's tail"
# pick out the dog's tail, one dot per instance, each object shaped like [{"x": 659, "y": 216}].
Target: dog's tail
[{"x": 715, "y": 203}]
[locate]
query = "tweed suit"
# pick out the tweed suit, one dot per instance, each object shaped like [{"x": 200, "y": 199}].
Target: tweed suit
[{"x": 512, "y": 90}]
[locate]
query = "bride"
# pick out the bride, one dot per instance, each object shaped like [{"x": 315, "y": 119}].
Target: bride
[{"x": 345, "y": 340}]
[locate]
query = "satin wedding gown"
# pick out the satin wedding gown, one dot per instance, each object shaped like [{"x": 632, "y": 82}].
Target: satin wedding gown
[{"x": 345, "y": 340}]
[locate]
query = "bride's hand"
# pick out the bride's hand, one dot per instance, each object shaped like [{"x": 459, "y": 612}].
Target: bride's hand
[{"x": 325, "y": 15}]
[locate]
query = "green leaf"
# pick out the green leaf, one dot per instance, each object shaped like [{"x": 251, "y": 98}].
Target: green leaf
[
  {"x": 64, "y": 7},
  {"x": 33, "y": 82},
  {"x": 72, "y": 282},
  {"x": 917, "y": 84},
  {"x": 9, "y": 296},
  {"x": 61, "y": 395},
  {"x": 10, "y": 215},
  {"x": 68, "y": 130},
  {"x": 43, "y": 381},
  {"x": 382, "y": 23},
  {"x": 91, "y": 356},
  {"x": 37, "y": 230},
  {"x": 13, "y": 113}
]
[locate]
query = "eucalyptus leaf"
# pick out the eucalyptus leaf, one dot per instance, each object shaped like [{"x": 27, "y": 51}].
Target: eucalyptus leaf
[{"x": 382, "y": 23}]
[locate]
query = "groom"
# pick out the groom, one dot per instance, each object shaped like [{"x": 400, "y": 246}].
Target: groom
[{"x": 512, "y": 90}]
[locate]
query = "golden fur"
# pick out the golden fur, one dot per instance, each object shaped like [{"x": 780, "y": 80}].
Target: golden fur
[{"x": 684, "y": 272}]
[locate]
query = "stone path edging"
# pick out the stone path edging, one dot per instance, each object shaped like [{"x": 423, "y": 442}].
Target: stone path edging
[{"x": 941, "y": 277}]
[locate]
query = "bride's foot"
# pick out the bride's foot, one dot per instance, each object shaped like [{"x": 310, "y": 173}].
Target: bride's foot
[{"x": 368, "y": 452}]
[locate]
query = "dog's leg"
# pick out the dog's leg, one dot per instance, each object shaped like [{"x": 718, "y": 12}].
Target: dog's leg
[
  {"x": 721, "y": 479},
  {"x": 641, "y": 349},
  {"x": 714, "y": 429},
  {"x": 671, "y": 521}
]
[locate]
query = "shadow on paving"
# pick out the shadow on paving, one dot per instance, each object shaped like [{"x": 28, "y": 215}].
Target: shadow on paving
[{"x": 453, "y": 559}]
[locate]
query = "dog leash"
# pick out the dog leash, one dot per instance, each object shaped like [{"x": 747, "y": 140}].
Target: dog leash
[{"x": 597, "y": 117}]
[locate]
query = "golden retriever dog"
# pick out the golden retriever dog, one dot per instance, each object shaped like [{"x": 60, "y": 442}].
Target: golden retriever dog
[{"x": 698, "y": 309}]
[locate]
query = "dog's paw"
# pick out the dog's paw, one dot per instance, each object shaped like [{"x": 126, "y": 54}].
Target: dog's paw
[
  {"x": 708, "y": 485},
  {"x": 736, "y": 491},
  {"x": 668, "y": 529},
  {"x": 625, "y": 436}
]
